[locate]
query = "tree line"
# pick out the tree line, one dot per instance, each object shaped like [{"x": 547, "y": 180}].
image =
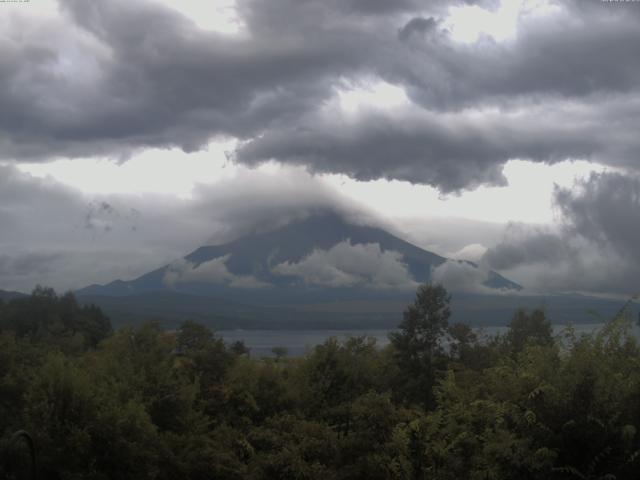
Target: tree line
[{"x": 441, "y": 401}]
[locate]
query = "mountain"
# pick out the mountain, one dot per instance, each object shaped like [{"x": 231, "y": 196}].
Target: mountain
[
  {"x": 320, "y": 258},
  {"x": 321, "y": 272},
  {"x": 8, "y": 295},
  {"x": 318, "y": 272}
]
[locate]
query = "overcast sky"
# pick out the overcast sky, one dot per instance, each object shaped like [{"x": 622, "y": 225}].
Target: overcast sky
[{"x": 132, "y": 132}]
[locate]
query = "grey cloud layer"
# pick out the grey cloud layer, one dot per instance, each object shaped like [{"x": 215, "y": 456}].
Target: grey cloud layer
[
  {"x": 596, "y": 247},
  {"x": 528, "y": 245},
  {"x": 113, "y": 76},
  {"x": 56, "y": 236},
  {"x": 27, "y": 264},
  {"x": 606, "y": 210},
  {"x": 138, "y": 74},
  {"x": 461, "y": 276},
  {"x": 454, "y": 150}
]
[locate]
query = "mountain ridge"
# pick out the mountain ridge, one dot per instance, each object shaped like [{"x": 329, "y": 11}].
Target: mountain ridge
[
  {"x": 301, "y": 305},
  {"x": 274, "y": 259},
  {"x": 6, "y": 295}
]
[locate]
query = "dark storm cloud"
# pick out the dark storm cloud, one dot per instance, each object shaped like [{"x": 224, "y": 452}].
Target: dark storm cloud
[
  {"x": 417, "y": 25},
  {"x": 113, "y": 76},
  {"x": 564, "y": 89},
  {"x": 573, "y": 54},
  {"x": 527, "y": 245},
  {"x": 290, "y": 14},
  {"x": 382, "y": 147},
  {"x": 456, "y": 150},
  {"x": 596, "y": 247},
  {"x": 605, "y": 208},
  {"x": 138, "y": 74}
]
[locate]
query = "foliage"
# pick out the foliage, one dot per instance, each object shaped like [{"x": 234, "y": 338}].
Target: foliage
[
  {"x": 529, "y": 329},
  {"x": 418, "y": 348},
  {"x": 439, "y": 402}
]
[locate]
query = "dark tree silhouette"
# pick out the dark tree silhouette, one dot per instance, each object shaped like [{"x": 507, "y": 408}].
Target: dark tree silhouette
[{"x": 418, "y": 349}]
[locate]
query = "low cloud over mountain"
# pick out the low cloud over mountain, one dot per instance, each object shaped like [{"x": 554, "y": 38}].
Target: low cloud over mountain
[
  {"x": 323, "y": 251},
  {"x": 349, "y": 265}
]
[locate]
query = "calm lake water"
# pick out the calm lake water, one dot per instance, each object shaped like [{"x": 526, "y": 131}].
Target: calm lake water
[{"x": 299, "y": 342}]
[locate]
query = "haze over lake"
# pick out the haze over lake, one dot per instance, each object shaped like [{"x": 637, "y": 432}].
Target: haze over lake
[{"x": 301, "y": 342}]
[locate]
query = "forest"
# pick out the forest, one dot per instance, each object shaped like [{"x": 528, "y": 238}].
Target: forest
[{"x": 441, "y": 401}]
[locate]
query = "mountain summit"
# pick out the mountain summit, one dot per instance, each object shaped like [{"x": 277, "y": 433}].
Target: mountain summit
[
  {"x": 318, "y": 272},
  {"x": 320, "y": 257}
]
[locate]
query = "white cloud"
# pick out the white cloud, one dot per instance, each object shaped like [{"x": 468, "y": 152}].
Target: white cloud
[
  {"x": 468, "y": 23},
  {"x": 527, "y": 196},
  {"x": 367, "y": 95},
  {"x": 213, "y": 271},
  {"x": 218, "y": 15},
  {"x": 154, "y": 170},
  {"x": 472, "y": 252},
  {"x": 461, "y": 276},
  {"x": 349, "y": 265}
]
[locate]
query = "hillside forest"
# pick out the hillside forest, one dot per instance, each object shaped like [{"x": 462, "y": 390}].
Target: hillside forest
[{"x": 441, "y": 401}]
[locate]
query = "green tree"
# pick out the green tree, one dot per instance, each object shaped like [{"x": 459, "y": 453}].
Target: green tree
[
  {"x": 193, "y": 337},
  {"x": 44, "y": 317},
  {"x": 418, "y": 348},
  {"x": 529, "y": 329},
  {"x": 335, "y": 374},
  {"x": 280, "y": 352},
  {"x": 463, "y": 339}
]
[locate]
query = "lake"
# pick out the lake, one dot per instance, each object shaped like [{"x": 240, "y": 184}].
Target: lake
[{"x": 299, "y": 342}]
